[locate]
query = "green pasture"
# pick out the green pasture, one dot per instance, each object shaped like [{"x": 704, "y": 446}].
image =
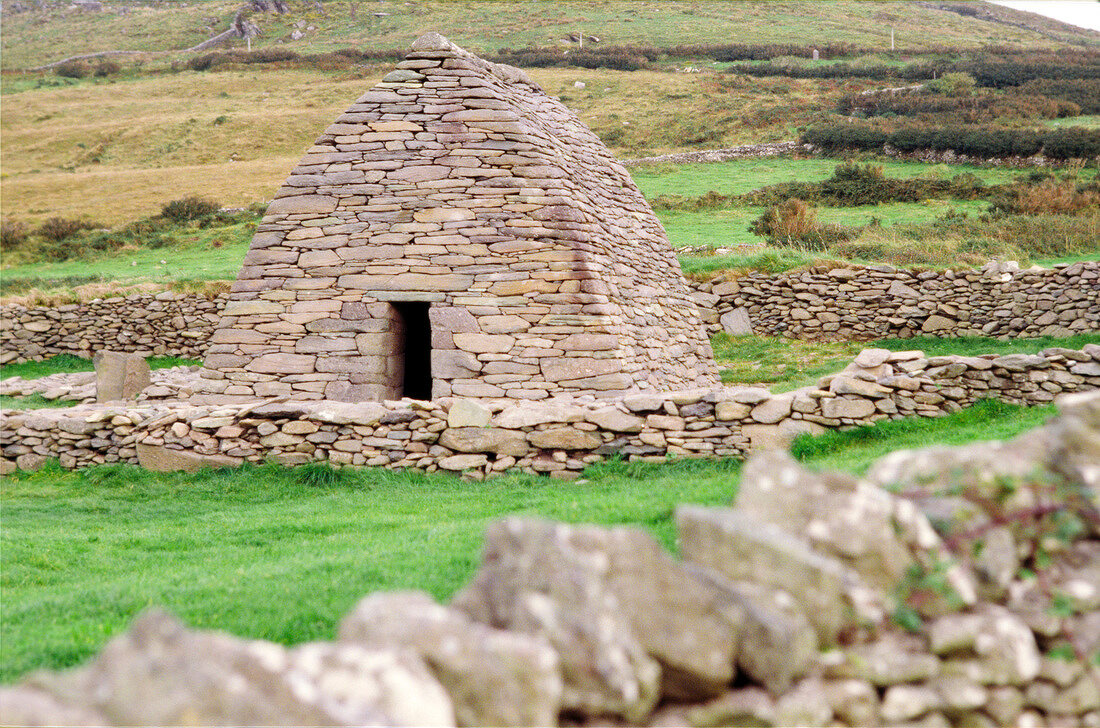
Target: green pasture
[{"x": 740, "y": 176}]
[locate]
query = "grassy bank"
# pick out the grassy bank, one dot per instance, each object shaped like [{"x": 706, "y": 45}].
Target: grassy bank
[{"x": 282, "y": 554}]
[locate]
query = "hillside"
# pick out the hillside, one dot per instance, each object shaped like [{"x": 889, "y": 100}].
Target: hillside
[{"x": 34, "y": 37}]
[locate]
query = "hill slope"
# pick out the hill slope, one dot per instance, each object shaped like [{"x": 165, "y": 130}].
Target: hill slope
[{"x": 34, "y": 37}]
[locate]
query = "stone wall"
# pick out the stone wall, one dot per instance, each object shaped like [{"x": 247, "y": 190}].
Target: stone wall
[
  {"x": 161, "y": 324},
  {"x": 880, "y": 301},
  {"x": 833, "y": 303},
  {"x": 560, "y": 437},
  {"x": 775, "y": 612}
]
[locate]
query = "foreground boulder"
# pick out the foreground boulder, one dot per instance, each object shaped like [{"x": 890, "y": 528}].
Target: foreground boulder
[
  {"x": 161, "y": 673},
  {"x": 658, "y": 621},
  {"x": 496, "y": 678}
]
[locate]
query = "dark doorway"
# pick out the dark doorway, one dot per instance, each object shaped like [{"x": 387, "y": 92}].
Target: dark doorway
[{"x": 417, "y": 349}]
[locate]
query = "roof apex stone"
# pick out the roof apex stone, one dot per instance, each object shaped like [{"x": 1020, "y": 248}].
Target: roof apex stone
[{"x": 433, "y": 41}]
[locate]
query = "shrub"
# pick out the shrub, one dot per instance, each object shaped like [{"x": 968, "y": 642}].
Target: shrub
[
  {"x": 72, "y": 69},
  {"x": 1050, "y": 197},
  {"x": 57, "y": 229},
  {"x": 1083, "y": 92},
  {"x": 794, "y": 224},
  {"x": 1073, "y": 142},
  {"x": 956, "y": 85},
  {"x": 13, "y": 233},
  {"x": 107, "y": 68},
  {"x": 189, "y": 208}
]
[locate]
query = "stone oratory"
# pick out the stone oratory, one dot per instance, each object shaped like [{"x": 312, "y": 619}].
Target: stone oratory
[{"x": 457, "y": 232}]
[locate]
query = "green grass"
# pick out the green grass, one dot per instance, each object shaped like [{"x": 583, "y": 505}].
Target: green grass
[
  {"x": 213, "y": 253},
  {"x": 856, "y": 449},
  {"x": 786, "y": 364},
  {"x": 283, "y": 554},
  {"x": 740, "y": 176},
  {"x": 1087, "y": 121},
  {"x": 33, "y": 401},
  {"x": 67, "y": 363}
]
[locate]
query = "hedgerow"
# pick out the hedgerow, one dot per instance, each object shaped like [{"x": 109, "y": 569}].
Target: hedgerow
[{"x": 1067, "y": 143}]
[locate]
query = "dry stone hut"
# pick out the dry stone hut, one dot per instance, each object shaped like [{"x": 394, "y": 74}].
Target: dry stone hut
[{"x": 458, "y": 232}]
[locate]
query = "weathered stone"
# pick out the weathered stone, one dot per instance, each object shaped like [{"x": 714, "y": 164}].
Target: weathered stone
[
  {"x": 772, "y": 410},
  {"x": 847, "y": 407},
  {"x": 546, "y": 575},
  {"x": 463, "y": 462},
  {"x": 161, "y": 459},
  {"x": 119, "y": 375},
  {"x": 564, "y": 438},
  {"x": 160, "y": 673},
  {"x": 494, "y": 677},
  {"x": 615, "y": 420},
  {"x": 744, "y": 549},
  {"x": 468, "y": 413},
  {"x": 736, "y": 322},
  {"x": 485, "y": 439}
]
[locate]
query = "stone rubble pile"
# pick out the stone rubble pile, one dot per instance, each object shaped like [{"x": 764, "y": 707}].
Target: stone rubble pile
[
  {"x": 949, "y": 587},
  {"x": 168, "y": 323},
  {"x": 171, "y": 383},
  {"x": 559, "y": 437},
  {"x": 880, "y": 302}
]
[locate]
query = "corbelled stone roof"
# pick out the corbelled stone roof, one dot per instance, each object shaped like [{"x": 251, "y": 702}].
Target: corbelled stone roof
[{"x": 458, "y": 183}]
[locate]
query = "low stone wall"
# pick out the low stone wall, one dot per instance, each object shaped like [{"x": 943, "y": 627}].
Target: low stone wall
[
  {"x": 882, "y": 302},
  {"x": 744, "y": 151},
  {"x": 840, "y": 303},
  {"x": 160, "y": 324},
  {"x": 559, "y": 437},
  {"x": 775, "y": 612}
]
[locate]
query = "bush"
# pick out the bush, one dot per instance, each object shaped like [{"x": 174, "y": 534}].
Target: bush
[
  {"x": 13, "y": 233},
  {"x": 976, "y": 141},
  {"x": 1083, "y": 92},
  {"x": 57, "y": 229},
  {"x": 1073, "y": 142},
  {"x": 189, "y": 208},
  {"x": 794, "y": 224},
  {"x": 955, "y": 85},
  {"x": 107, "y": 68},
  {"x": 73, "y": 69},
  {"x": 1050, "y": 197}
]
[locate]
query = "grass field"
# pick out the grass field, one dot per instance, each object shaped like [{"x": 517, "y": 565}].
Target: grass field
[
  {"x": 282, "y": 554},
  {"x": 114, "y": 151},
  {"x": 785, "y": 364}
]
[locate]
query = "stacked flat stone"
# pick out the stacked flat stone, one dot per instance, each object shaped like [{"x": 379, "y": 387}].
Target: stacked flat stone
[
  {"x": 168, "y": 323},
  {"x": 880, "y": 301},
  {"x": 559, "y": 436},
  {"x": 457, "y": 182}
]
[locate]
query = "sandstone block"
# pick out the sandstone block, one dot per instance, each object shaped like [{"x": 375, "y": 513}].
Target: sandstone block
[
  {"x": 564, "y": 438},
  {"x": 495, "y": 677},
  {"x": 301, "y": 204},
  {"x": 468, "y": 413},
  {"x": 463, "y": 462},
  {"x": 484, "y": 440},
  {"x": 119, "y": 375},
  {"x": 161, "y": 459}
]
